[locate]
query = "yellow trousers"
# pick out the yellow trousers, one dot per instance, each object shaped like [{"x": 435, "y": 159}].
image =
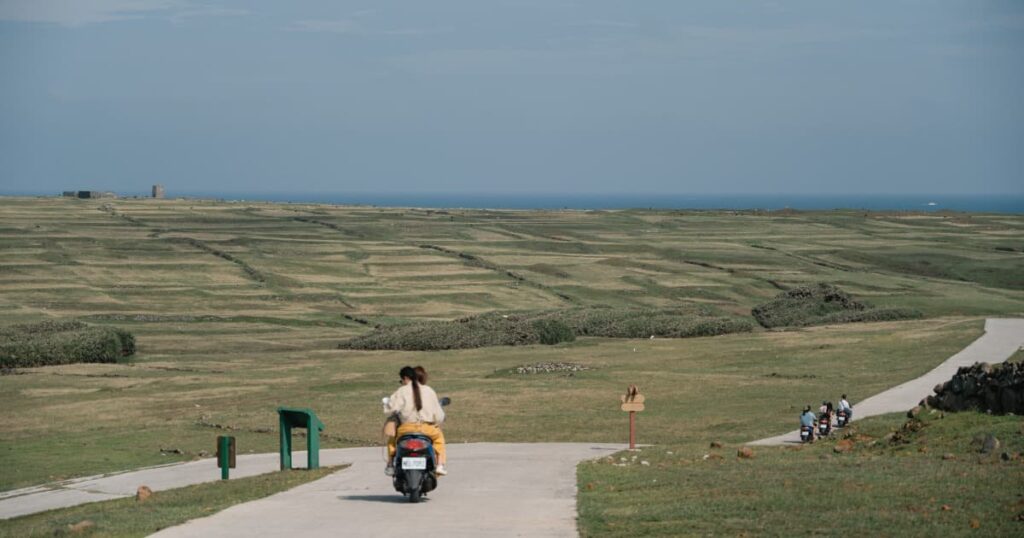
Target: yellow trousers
[{"x": 431, "y": 431}]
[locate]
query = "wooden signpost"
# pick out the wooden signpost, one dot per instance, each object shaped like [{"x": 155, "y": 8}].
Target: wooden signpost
[{"x": 633, "y": 403}]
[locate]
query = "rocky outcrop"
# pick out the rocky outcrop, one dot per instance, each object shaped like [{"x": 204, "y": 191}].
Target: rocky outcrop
[{"x": 982, "y": 387}]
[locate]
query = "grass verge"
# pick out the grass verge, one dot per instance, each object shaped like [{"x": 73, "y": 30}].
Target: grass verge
[
  {"x": 930, "y": 480},
  {"x": 128, "y": 517}
]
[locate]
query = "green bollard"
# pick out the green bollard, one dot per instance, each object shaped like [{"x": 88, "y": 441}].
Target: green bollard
[{"x": 225, "y": 455}]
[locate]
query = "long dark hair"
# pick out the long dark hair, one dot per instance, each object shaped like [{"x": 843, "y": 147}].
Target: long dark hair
[{"x": 410, "y": 373}]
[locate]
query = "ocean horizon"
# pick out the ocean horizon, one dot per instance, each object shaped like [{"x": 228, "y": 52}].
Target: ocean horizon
[{"x": 985, "y": 203}]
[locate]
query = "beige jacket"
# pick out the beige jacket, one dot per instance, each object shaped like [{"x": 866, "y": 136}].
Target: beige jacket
[{"x": 403, "y": 404}]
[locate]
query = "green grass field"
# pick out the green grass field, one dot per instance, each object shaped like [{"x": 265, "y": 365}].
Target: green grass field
[{"x": 238, "y": 308}]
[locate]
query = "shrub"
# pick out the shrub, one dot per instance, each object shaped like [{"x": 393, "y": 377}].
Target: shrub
[
  {"x": 552, "y": 331},
  {"x": 819, "y": 304},
  {"x": 548, "y": 328},
  {"x": 62, "y": 342}
]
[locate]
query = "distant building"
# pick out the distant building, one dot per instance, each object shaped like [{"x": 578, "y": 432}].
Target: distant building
[
  {"x": 95, "y": 194},
  {"x": 158, "y": 191},
  {"x": 70, "y": 194}
]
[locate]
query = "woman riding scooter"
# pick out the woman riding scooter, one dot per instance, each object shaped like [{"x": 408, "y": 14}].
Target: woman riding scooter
[{"x": 418, "y": 411}]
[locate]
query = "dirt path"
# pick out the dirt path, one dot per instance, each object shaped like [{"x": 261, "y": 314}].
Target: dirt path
[{"x": 1002, "y": 338}]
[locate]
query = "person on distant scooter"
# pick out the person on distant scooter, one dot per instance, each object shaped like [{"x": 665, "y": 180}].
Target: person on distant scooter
[
  {"x": 827, "y": 414},
  {"x": 418, "y": 411},
  {"x": 807, "y": 421},
  {"x": 844, "y": 406}
]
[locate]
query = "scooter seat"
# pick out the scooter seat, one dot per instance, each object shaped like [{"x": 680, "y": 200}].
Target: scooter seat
[{"x": 416, "y": 436}]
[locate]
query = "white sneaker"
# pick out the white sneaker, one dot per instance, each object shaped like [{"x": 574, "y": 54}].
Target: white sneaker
[
  {"x": 441, "y": 470},
  {"x": 389, "y": 470}
]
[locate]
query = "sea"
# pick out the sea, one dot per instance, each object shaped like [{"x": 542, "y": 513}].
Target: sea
[
  {"x": 975, "y": 203},
  {"x": 1012, "y": 203}
]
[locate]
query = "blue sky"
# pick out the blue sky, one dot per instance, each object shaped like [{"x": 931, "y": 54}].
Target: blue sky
[{"x": 534, "y": 96}]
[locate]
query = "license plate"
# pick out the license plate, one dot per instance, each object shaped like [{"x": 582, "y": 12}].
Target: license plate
[{"x": 414, "y": 464}]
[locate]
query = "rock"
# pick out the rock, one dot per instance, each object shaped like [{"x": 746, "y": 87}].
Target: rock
[
  {"x": 914, "y": 412},
  {"x": 644, "y": 462},
  {"x": 947, "y": 508},
  {"x": 143, "y": 493},
  {"x": 975, "y": 523},
  {"x": 716, "y": 444},
  {"x": 745, "y": 453},
  {"x": 843, "y": 446},
  {"x": 990, "y": 444},
  {"x": 1005, "y": 456},
  {"x": 203, "y": 454},
  {"x": 81, "y": 526},
  {"x": 948, "y": 456}
]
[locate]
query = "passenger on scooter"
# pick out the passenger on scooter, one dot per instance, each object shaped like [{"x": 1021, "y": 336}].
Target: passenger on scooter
[{"x": 418, "y": 411}]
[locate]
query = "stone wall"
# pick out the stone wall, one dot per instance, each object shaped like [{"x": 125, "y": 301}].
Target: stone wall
[{"x": 982, "y": 387}]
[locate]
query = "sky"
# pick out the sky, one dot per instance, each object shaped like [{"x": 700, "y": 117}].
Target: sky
[{"x": 531, "y": 96}]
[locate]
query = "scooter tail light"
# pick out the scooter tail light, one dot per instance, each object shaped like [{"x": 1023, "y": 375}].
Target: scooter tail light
[{"x": 413, "y": 444}]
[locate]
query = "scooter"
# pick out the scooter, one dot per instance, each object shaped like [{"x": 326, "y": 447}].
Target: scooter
[
  {"x": 415, "y": 463},
  {"x": 824, "y": 428},
  {"x": 807, "y": 434},
  {"x": 841, "y": 418}
]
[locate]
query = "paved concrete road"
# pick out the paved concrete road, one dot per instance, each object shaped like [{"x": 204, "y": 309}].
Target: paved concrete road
[
  {"x": 1002, "y": 338},
  {"x": 493, "y": 489}
]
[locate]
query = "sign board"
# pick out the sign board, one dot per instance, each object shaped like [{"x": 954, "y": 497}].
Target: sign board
[{"x": 632, "y": 401}]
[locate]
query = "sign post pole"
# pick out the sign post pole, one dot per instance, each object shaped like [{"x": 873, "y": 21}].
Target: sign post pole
[
  {"x": 632, "y": 402},
  {"x": 632, "y": 430}
]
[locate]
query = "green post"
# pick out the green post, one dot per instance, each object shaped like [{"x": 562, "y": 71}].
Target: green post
[
  {"x": 299, "y": 417},
  {"x": 286, "y": 442},
  {"x": 224, "y": 455},
  {"x": 313, "y": 444}
]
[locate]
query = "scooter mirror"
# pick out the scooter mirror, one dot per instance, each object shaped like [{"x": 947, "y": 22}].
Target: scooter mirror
[{"x": 445, "y": 401}]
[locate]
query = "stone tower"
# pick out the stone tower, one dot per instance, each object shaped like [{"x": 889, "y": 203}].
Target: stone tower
[{"x": 158, "y": 191}]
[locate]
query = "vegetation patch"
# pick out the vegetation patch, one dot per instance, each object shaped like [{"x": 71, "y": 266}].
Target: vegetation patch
[
  {"x": 494, "y": 329},
  {"x": 821, "y": 304},
  {"x": 133, "y": 517},
  {"x": 490, "y": 329},
  {"x": 62, "y": 342}
]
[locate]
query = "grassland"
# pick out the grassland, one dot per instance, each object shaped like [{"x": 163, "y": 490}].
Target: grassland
[
  {"x": 934, "y": 482},
  {"x": 239, "y": 307}
]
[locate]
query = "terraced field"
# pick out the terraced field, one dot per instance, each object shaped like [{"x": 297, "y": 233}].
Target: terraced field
[
  {"x": 311, "y": 263},
  {"x": 238, "y": 307}
]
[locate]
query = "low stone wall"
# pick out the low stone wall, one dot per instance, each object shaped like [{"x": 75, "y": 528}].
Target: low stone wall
[{"x": 982, "y": 387}]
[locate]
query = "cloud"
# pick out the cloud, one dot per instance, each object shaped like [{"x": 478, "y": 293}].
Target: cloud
[
  {"x": 350, "y": 26},
  {"x": 602, "y": 23},
  {"x": 339, "y": 26},
  {"x": 74, "y": 13}
]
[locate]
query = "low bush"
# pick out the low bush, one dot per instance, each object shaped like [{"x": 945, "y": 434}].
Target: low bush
[
  {"x": 820, "y": 304},
  {"x": 62, "y": 342},
  {"x": 548, "y": 328}
]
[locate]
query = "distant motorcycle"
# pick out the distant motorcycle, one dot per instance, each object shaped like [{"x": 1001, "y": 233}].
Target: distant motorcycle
[
  {"x": 842, "y": 417},
  {"x": 807, "y": 434},
  {"x": 824, "y": 426},
  {"x": 415, "y": 463}
]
